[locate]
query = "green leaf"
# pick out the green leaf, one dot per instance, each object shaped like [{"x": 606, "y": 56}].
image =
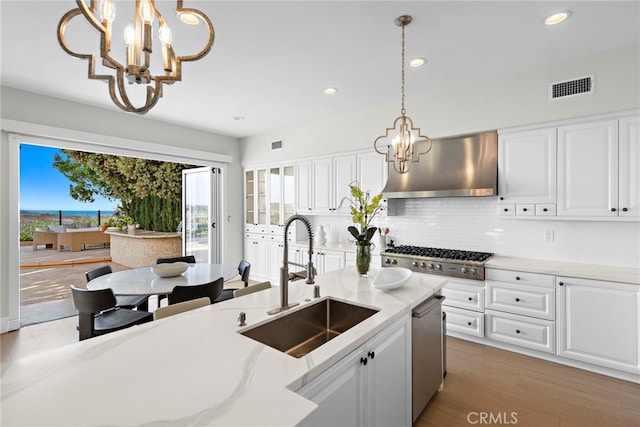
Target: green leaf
[{"x": 354, "y": 232}]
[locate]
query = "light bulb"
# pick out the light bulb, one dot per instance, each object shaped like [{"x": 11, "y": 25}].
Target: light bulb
[
  {"x": 164, "y": 34},
  {"x": 129, "y": 34},
  {"x": 107, "y": 10},
  {"x": 147, "y": 11}
]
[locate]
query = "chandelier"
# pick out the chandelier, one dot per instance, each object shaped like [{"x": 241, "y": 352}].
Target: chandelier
[
  {"x": 136, "y": 60},
  {"x": 402, "y": 143}
]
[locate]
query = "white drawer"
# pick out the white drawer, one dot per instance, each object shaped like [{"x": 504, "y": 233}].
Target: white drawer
[
  {"x": 464, "y": 296},
  {"x": 526, "y": 209},
  {"x": 526, "y": 300},
  {"x": 522, "y": 331},
  {"x": 518, "y": 277},
  {"x": 506, "y": 210},
  {"x": 548, "y": 209},
  {"x": 464, "y": 321}
]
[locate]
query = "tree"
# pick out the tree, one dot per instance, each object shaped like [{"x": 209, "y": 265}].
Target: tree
[{"x": 148, "y": 190}]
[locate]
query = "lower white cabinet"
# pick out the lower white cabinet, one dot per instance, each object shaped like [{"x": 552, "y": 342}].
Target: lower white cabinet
[
  {"x": 599, "y": 323},
  {"x": 523, "y": 331},
  {"x": 326, "y": 261},
  {"x": 369, "y": 387},
  {"x": 256, "y": 253},
  {"x": 464, "y": 306},
  {"x": 464, "y": 321}
]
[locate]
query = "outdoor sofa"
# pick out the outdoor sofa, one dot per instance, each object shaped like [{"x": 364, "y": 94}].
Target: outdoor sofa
[{"x": 72, "y": 239}]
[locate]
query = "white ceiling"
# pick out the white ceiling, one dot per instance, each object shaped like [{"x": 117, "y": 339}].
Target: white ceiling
[{"x": 271, "y": 60}]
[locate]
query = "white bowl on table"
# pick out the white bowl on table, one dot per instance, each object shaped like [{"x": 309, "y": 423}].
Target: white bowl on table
[
  {"x": 170, "y": 269},
  {"x": 391, "y": 277}
]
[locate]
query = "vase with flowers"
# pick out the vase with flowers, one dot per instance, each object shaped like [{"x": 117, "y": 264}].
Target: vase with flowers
[{"x": 363, "y": 209}]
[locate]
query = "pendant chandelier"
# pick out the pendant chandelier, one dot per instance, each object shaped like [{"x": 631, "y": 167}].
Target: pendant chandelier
[
  {"x": 402, "y": 143},
  {"x": 135, "y": 66}
]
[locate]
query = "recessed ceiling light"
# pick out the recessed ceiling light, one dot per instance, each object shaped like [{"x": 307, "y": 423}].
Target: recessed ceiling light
[
  {"x": 188, "y": 18},
  {"x": 417, "y": 62},
  {"x": 556, "y": 18},
  {"x": 238, "y": 118},
  {"x": 330, "y": 91}
]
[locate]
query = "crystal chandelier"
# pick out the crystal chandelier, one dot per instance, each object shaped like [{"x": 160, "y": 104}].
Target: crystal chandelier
[
  {"x": 406, "y": 144},
  {"x": 135, "y": 66}
]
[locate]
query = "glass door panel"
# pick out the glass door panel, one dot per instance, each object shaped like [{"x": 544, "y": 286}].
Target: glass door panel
[
  {"x": 275, "y": 189},
  {"x": 200, "y": 212},
  {"x": 288, "y": 192},
  {"x": 249, "y": 216},
  {"x": 262, "y": 197}
]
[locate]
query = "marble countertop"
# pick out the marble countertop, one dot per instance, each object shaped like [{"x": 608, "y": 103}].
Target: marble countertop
[
  {"x": 146, "y": 234},
  {"x": 195, "y": 368},
  {"x": 570, "y": 269},
  {"x": 335, "y": 246}
]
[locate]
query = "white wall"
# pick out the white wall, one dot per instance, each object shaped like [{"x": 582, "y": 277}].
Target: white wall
[
  {"x": 41, "y": 110},
  {"x": 515, "y": 101},
  {"x": 472, "y": 223}
]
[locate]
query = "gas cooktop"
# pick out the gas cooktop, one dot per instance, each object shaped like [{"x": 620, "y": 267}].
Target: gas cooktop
[{"x": 447, "y": 262}]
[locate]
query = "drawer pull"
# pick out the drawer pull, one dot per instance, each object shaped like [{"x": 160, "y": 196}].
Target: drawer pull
[
  {"x": 470, "y": 299},
  {"x": 506, "y": 210},
  {"x": 517, "y": 299},
  {"x": 469, "y": 323},
  {"x": 517, "y": 277},
  {"x": 613, "y": 209},
  {"x": 624, "y": 209},
  {"x": 561, "y": 283},
  {"x": 524, "y": 209},
  {"x": 517, "y": 331},
  {"x": 544, "y": 209},
  {"x": 363, "y": 361}
]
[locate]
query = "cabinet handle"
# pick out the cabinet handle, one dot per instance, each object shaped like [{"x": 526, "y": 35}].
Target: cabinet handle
[
  {"x": 524, "y": 209},
  {"x": 470, "y": 299},
  {"x": 544, "y": 209},
  {"x": 561, "y": 283},
  {"x": 372, "y": 354},
  {"x": 506, "y": 210},
  {"x": 501, "y": 198},
  {"x": 613, "y": 209},
  {"x": 517, "y": 331},
  {"x": 363, "y": 361},
  {"x": 517, "y": 277},
  {"x": 517, "y": 299},
  {"x": 469, "y": 323},
  {"x": 624, "y": 209}
]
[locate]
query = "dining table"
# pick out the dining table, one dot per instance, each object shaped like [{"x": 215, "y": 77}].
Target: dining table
[{"x": 143, "y": 281}]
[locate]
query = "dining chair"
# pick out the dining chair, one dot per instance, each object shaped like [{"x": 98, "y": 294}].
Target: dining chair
[
  {"x": 140, "y": 302},
  {"x": 243, "y": 270},
  {"x": 185, "y": 293},
  {"x": 251, "y": 289},
  {"x": 98, "y": 314},
  {"x": 180, "y": 307},
  {"x": 189, "y": 259}
]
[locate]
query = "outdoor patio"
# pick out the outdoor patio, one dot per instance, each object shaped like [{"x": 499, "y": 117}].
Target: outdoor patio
[{"x": 45, "y": 276}]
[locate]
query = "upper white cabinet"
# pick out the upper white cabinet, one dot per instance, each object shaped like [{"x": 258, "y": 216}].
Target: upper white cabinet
[
  {"x": 599, "y": 323},
  {"x": 588, "y": 169},
  {"x": 255, "y": 182},
  {"x": 281, "y": 194},
  {"x": 629, "y": 166},
  {"x": 527, "y": 172},
  {"x": 322, "y": 184}
]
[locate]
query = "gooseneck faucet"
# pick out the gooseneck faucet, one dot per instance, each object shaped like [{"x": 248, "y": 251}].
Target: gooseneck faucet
[{"x": 284, "y": 270}]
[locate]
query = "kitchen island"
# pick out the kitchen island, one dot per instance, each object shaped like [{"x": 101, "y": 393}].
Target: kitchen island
[{"x": 195, "y": 368}]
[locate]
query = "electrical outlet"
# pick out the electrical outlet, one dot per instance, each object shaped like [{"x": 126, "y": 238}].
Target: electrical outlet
[{"x": 548, "y": 235}]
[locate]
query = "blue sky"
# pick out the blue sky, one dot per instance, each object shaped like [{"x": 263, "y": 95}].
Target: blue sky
[{"x": 42, "y": 187}]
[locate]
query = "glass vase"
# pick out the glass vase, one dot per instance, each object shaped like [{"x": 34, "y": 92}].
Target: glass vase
[{"x": 363, "y": 258}]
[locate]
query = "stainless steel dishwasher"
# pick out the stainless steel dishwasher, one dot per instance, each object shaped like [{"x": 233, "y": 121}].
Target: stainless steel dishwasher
[{"x": 427, "y": 348}]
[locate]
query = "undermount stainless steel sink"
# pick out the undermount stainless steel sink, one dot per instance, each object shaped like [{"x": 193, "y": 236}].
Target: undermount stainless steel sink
[{"x": 304, "y": 330}]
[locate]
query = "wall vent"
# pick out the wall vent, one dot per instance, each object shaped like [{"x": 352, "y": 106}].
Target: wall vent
[
  {"x": 578, "y": 86},
  {"x": 276, "y": 145}
]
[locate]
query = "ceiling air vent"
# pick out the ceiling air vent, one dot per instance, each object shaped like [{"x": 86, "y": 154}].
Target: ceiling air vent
[
  {"x": 276, "y": 145},
  {"x": 573, "y": 87}
]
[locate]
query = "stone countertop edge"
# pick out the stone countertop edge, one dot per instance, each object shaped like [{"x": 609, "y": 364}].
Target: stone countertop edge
[
  {"x": 146, "y": 234},
  {"x": 194, "y": 367},
  {"x": 569, "y": 269}
]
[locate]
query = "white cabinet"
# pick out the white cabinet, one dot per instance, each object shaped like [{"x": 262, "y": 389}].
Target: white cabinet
[
  {"x": 304, "y": 179},
  {"x": 588, "y": 169},
  {"x": 369, "y": 387},
  {"x": 281, "y": 195},
  {"x": 331, "y": 179},
  {"x": 527, "y": 172},
  {"x": 599, "y": 323},
  {"x": 255, "y": 188},
  {"x": 326, "y": 261},
  {"x": 520, "y": 309},
  {"x": 372, "y": 172},
  {"x": 256, "y": 252},
  {"x": 464, "y": 306},
  {"x": 629, "y": 166}
]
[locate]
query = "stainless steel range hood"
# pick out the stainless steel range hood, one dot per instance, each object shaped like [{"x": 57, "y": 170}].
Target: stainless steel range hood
[{"x": 464, "y": 165}]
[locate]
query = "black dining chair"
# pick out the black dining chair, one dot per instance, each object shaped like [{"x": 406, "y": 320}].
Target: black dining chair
[
  {"x": 140, "y": 302},
  {"x": 189, "y": 259},
  {"x": 186, "y": 293},
  {"x": 244, "y": 268},
  {"x": 98, "y": 314}
]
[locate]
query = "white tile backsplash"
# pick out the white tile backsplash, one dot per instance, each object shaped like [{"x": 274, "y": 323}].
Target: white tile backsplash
[{"x": 472, "y": 224}]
